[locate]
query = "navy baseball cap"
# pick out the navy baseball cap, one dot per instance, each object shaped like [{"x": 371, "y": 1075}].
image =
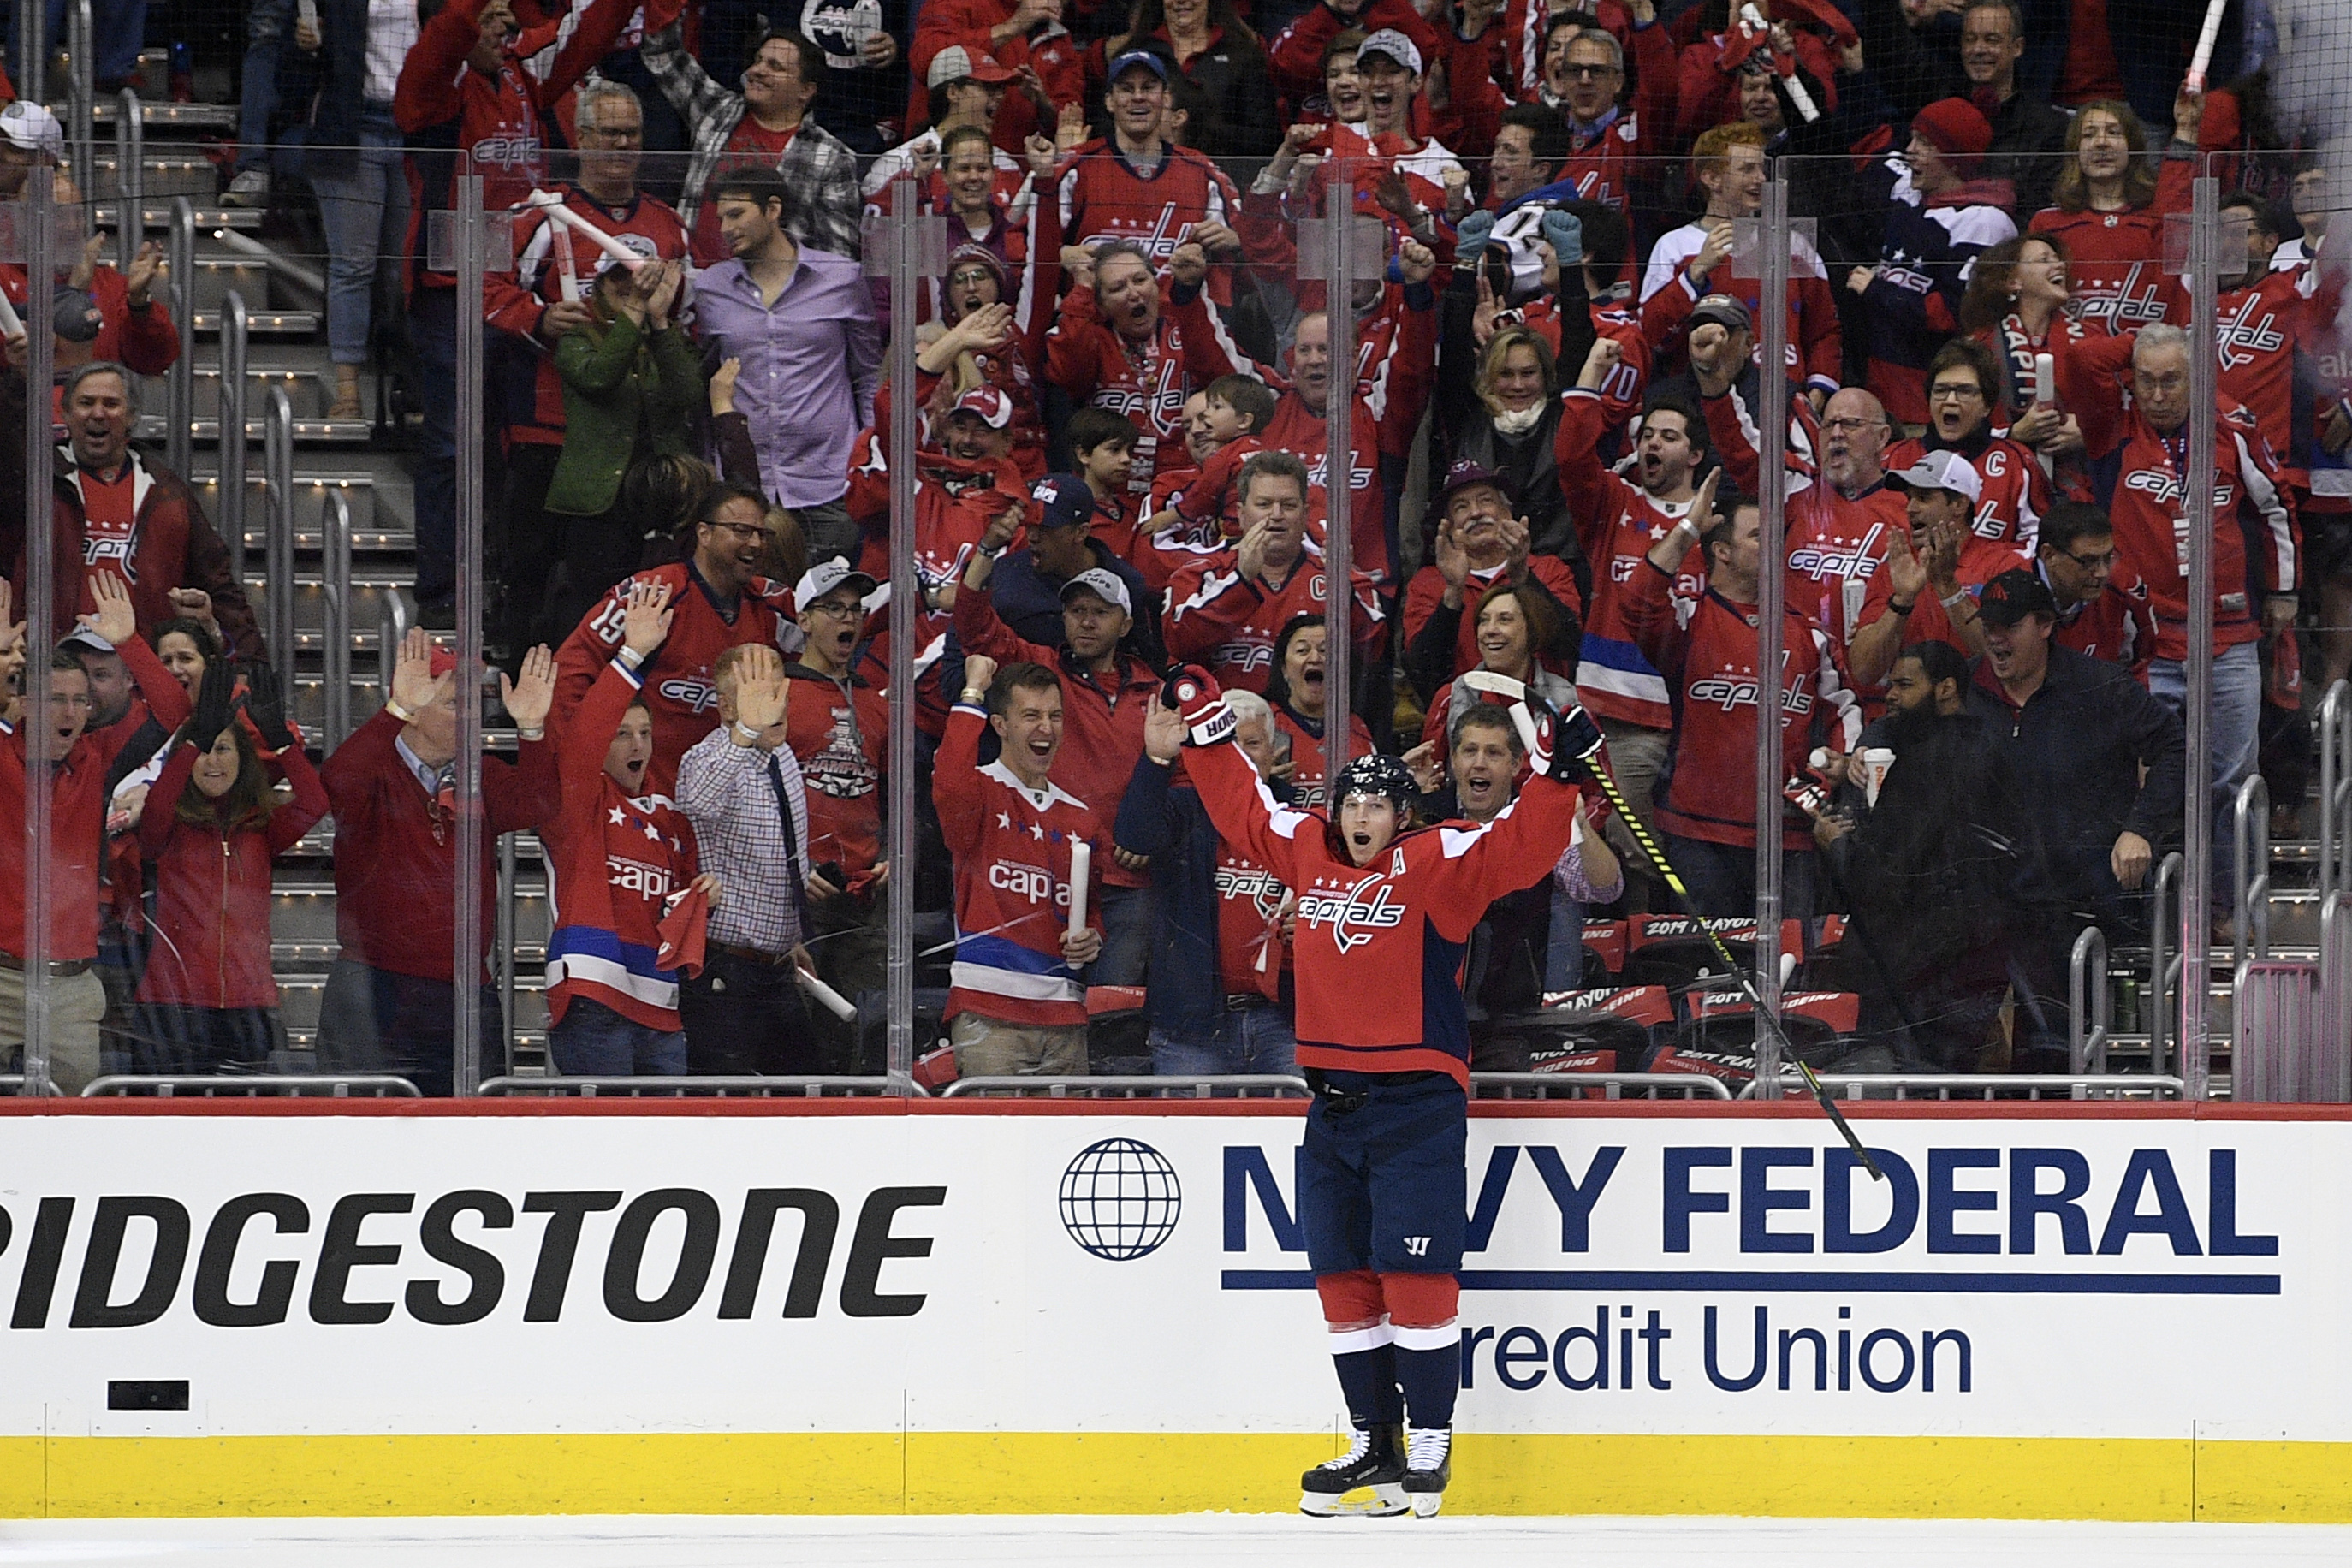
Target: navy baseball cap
[
  {"x": 1064, "y": 499},
  {"x": 1156, "y": 64}
]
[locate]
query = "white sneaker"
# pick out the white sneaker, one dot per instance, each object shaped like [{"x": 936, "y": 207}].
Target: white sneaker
[{"x": 250, "y": 189}]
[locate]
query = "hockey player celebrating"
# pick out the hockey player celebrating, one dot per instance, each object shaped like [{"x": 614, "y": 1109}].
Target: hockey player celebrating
[{"x": 1384, "y": 915}]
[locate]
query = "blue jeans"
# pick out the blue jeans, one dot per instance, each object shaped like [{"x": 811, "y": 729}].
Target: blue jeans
[
  {"x": 118, "y": 29},
  {"x": 1254, "y": 1040},
  {"x": 593, "y": 1041},
  {"x": 1127, "y": 916},
  {"x": 2233, "y": 738},
  {"x": 433, "y": 332},
  {"x": 268, "y": 25},
  {"x": 365, "y": 214}
]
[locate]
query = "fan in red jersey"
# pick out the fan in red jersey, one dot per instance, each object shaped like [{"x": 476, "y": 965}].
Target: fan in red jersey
[
  {"x": 2108, "y": 207},
  {"x": 1136, "y": 185}
]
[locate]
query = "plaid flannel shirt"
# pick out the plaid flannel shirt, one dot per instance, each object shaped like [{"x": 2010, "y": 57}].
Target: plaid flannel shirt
[{"x": 820, "y": 170}]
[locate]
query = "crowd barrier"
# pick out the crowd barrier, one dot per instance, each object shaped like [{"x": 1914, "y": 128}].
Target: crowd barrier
[{"x": 209, "y": 1086}]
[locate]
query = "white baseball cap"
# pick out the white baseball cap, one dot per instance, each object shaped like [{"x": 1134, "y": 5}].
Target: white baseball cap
[
  {"x": 1104, "y": 584},
  {"x": 1940, "y": 471},
  {"x": 33, "y": 128},
  {"x": 1395, "y": 45},
  {"x": 825, "y": 576}
]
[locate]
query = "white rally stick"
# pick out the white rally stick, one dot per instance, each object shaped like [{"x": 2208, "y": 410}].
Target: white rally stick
[
  {"x": 308, "y": 11},
  {"x": 2204, "y": 55},
  {"x": 9, "y": 322},
  {"x": 2045, "y": 379},
  {"x": 1796, "y": 93},
  {"x": 557, "y": 212},
  {"x": 833, "y": 1002},
  {"x": 1082, "y": 859}
]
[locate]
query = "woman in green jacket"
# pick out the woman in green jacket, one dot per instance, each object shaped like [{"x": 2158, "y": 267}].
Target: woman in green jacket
[{"x": 632, "y": 381}]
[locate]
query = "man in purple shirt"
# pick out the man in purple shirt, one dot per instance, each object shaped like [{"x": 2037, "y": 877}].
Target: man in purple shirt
[{"x": 801, "y": 323}]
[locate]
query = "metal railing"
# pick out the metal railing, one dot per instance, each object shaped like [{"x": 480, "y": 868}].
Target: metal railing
[
  {"x": 1210, "y": 1086},
  {"x": 816, "y": 1087},
  {"x": 131, "y": 183},
  {"x": 180, "y": 381},
  {"x": 231, "y": 413},
  {"x": 278, "y": 523},
  {"x": 2277, "y": 1013},
  {"x": 12, "y": 1083},
  {"x": 2163, "y": 963},
  {"x": 252, "y": 1085},
  {"x": 82, "y": 95},
  {"x": 2336, "y": 790},
  {"x": 335, "y": 541},
  {"x": 2250, "y": 840},
  {"x": 1991, "y": 1086},
  {"x": 1611, "y": 1085},
  {"x": 2333, "y": 1079},
  {"x": 2088, "y": 996},
  {"x": 503, "y": 947},
  {"x": 392, "y": 629}
]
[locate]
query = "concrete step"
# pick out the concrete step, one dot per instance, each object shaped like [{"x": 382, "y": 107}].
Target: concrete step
[
  {"x": 309, "y": 388},
  {"x": 162, "y": 115},
  {"x": 262, "y": 324},
  {"x": 374, "y": 528},
  {"x": 155, "y": 215},
  {"x": 297, "y": 1003},
  {"x": 217, "y": 276},
  {"x": 163, "y": 172}
]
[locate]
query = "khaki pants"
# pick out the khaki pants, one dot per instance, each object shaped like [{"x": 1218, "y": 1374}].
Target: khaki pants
[
  {"x": 988, "y": 1047},
  {"x": 76, "y": 1006},
  {"x": 1636, "y": 757}
]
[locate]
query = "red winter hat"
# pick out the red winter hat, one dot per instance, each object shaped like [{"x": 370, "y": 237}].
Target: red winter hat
[
  {"x": 1957, "y": 129},
  {"x": 684, "y": 932}
]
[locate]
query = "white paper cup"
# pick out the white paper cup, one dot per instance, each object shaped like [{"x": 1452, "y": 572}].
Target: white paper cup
[{"x": 1876, "y": 761}]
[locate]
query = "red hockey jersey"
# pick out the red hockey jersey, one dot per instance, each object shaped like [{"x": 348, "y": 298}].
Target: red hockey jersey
[
  {"x": 677, "y": 679},
  {"x": 2115, "y": 261},
  {"x": 1706, "y": 648},
  {"x": 1012, "y": 848},
  {"x": 1835, "y": 546},
  {"x": 1102, "y": 197},
  {"x": 1298, "y": 429},
  {"x": 1310, "y": 781},
  {"x": 1086, "y": 359},
  {"x": 2016, "y": 489},
  {"x": 613, "y": 862},
  {"x": 1378, "y": 948},
  {"x": 1617, "y": 523},
  {"x": 1226, "y": 623},
  {"x": 2118, "y": 626},
  {"x": 840, "y": 734}
]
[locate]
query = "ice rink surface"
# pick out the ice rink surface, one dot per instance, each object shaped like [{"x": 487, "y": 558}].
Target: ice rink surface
[{"x": 1226, "y": 1539}]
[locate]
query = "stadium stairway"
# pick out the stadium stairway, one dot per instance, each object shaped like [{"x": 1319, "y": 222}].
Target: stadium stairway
[{"x": 367, "y": 460}]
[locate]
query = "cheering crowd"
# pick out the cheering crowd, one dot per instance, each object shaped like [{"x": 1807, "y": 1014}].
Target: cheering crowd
[{"x": 1126, "y": 394}]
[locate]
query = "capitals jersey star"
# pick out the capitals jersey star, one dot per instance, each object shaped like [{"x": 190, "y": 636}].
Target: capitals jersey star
[
  {"x": 1226, "y": 623},
  {"x": 1617, "y": 523},
  {"x": 1012, "y": 846},
  {"x": 1707, "y": 649},
  {"x": 1378, "y": 949},
  {"x": 613, "y": 862},
  {"x": 676, "y": 678}
]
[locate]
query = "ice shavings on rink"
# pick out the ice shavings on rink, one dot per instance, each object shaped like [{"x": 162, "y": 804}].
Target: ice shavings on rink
[{"x": 1223, "y": 1539}]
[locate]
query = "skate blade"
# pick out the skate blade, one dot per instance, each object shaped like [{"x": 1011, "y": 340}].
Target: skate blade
[
  {"x": 1426, "y": 1504},
  {"x": 1384, "y": 1501}
]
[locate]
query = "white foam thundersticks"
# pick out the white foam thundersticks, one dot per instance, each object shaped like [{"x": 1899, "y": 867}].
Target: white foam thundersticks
[
  {"x": 832, "y": 1001},
  {"x": 1082, "y": 857},
  {"x": 552, "y": 204}
]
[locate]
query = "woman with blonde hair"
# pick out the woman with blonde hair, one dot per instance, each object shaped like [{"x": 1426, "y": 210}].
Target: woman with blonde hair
[
  {"x": 1504, "y": 416},
  {"x": 2108, "y": 208}
]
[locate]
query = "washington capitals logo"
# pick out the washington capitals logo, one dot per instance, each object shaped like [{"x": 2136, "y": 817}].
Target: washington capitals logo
[{"x": 1353, "y": 912}]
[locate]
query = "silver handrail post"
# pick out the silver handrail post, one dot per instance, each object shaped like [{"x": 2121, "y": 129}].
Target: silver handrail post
[
  {"x": 180, "y": 381},
  {"x": 505, "y": 955},
  {"x": 277, "y": 521},
  {"x": 131, "y": 182},
  {"x": 2331, "y": 723},
  {"x": 232, "y": 429},
  {"x": 2087, "y": 992},
  {"x": 392, "y": 627},
  {"x": 2160, "y": 958},
  {"x": 82, "y": 100},
  {"x": 335, "y": 521}
]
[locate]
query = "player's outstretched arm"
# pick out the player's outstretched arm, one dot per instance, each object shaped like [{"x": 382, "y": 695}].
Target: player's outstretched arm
[{"x": 1244, "y": 809}]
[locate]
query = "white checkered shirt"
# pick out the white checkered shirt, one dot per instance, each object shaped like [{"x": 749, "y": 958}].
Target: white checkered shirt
[{"x": 726, "y": 791}]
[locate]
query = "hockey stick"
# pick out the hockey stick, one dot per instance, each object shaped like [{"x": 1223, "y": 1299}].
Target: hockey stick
[{"x": 1502, "y": 685}]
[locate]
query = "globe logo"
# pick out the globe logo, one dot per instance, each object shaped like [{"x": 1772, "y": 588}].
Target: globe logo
[{"x": 1120, "y": 1199}]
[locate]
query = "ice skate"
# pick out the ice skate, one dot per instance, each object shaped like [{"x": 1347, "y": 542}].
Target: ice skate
[
  {"x": 1376, "y": 1461},
  {"x": 1429, "y": 1465}
]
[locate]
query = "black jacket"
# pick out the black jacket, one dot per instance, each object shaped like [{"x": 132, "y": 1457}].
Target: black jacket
[{"x": 2076, "y": 748}]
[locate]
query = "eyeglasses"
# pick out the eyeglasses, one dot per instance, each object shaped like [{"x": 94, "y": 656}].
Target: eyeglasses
[
  {"x": 1847, "y": 427},
  {"x": 2172, "y": 383},
  {"x": 59, "y": 699},
  {"x": 839, "y": 612},
  {"x": 623, "y": 133},
  {"x": 969, "y": 277},
  {"x": 1956, "y": 391},
  {"x": 2095, "y": 563},
  {"x": 1575, "y": 72},
  {"x": 751, "y": 531}
]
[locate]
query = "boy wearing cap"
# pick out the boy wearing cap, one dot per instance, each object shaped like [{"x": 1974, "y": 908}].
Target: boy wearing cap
[
  {"x": 1939, "y": 215},
  {"x": 837, "y": 724}
]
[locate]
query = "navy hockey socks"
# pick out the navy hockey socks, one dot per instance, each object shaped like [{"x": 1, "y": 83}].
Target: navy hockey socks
[
  {"x": 1431, "y": 1379},
  {"x": 1369, "y": 1381}
]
